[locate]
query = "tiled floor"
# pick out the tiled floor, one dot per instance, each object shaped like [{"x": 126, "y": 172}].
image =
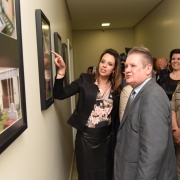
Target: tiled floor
[{"x": 74, "y": 173}]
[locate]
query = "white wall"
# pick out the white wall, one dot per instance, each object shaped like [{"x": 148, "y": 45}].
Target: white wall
[
  {"x": 45, "y": 150},
  {"x": 160, "y": 30}
]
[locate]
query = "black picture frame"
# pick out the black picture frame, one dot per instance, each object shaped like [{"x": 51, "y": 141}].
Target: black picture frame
[
  {"x": 43, "y": 32},
  {"x": 57, "y": 45},
  {"x": 65, "y": 58},
  {"x": 13, "y": 117}
]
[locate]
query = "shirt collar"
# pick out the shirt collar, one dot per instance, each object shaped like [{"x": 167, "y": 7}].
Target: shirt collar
[{"x": 138, "y": 88}]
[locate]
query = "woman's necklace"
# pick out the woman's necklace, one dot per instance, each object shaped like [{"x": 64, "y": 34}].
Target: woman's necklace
[{"x": 107, "y": 87}]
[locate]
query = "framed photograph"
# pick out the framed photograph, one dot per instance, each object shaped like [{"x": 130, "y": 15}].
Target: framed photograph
[
  {"x": 44, "y": 59},
  {"x": 13, "y": 118},
  {"x": 57, "y": 45},
  {"x": 65, "y": 58}
]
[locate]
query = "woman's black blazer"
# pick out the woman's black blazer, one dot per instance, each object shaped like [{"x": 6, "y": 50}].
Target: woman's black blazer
[{"x": 87, "y": 98}]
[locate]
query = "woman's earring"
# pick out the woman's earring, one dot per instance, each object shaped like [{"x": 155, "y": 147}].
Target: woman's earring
[{"x": 113, "y": 74}]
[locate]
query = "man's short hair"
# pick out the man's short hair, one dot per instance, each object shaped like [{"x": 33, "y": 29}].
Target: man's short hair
[{"x": 147, "y": 57}]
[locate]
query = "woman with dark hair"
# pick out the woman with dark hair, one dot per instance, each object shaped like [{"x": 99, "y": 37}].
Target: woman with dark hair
[
  {"x": 96, "y": 116},
  {"x": 170, "y": 81}
]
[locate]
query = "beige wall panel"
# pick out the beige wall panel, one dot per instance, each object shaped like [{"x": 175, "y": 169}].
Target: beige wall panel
[
  {"x": 88, "y": 46},
  {"x": 160, "y": 30}
]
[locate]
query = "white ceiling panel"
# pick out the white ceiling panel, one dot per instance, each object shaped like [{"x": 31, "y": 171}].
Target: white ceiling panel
[{"x": 90, "y": 14}]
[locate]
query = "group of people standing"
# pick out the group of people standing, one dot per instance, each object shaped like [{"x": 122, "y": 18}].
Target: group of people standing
[
  {"x": 170, "y": 82},
  {"x": 140, "y": 147}
]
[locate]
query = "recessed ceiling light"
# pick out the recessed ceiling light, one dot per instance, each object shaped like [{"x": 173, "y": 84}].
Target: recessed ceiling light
[{"x": 105, "y": 24}]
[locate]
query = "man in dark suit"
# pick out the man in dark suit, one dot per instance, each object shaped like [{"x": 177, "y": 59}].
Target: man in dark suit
[
  {"x": 161, "y": 68},
  {"x": 144, "y": 149}
]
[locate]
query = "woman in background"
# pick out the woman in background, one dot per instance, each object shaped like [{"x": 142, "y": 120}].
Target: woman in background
[
  {"x": 96, "y": 116},
  {"x": 169, "y": 82}
]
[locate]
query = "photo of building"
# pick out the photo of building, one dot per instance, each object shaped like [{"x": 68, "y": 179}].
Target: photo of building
[
  {"x": 7, "y": 18},
  {"x": 10, "y": 108}
]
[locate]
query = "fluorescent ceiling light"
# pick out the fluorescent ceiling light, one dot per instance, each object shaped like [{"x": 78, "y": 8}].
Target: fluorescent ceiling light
[{"x": 105, "y": 24}]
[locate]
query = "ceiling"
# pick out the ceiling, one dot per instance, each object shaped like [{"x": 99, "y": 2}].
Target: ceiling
[{"x": 90, "y": 14}]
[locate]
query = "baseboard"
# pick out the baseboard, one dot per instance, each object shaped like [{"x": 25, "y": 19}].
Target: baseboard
[{"x": 72, "y": 163}]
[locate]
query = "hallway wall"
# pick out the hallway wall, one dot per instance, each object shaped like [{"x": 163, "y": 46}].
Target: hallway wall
[
  {"x": 88, "y": 46},
  {"x": 45, "y": 150},
  {"x": 159, "y": 31}
]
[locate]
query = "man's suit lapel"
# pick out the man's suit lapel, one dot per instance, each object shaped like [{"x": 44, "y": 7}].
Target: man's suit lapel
[{"x": 130, "y": 106}]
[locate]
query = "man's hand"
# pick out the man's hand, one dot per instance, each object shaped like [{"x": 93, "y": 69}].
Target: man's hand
[{"x": 176, "y": 136}]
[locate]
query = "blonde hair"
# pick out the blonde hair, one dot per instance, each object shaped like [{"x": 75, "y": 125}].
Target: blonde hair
[{"x": 147, "y": 57}]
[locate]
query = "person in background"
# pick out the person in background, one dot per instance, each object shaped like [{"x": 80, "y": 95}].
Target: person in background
[
  {"x": 126, "y": 91},
  {"x": 90, "y": 70},
  {"x": 169, "y": 81},
  {"x": 154, "y": 67},
  {"x": 161, "y": 68},
  {"x": 96, "y": 116},
  {"x": 124, "y": 96},
  {"x": 175, "y": 103},
  {"x": 144, "y": 148}
]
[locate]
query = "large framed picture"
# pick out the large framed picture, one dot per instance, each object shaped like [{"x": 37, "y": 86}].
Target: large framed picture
[
  {"x": 57, "y": 45},
  {"x": 65, "y": 58},
  {"x": 44, "y": 59},
  {"x": 13, "y": 118}
]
